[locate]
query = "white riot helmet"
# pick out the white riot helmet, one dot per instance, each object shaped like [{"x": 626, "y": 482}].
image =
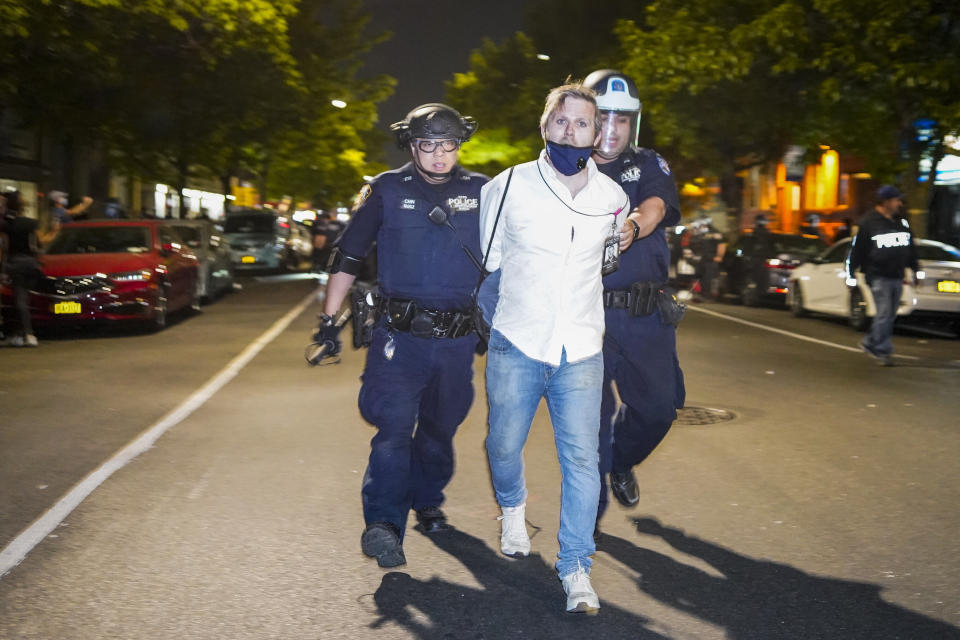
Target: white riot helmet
[{"x": 619, "y": 104}]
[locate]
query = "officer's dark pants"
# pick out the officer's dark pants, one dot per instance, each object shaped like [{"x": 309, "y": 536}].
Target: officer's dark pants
[
  {"x": 640, "y": 356},
  {"x": 417, "y": 398}
]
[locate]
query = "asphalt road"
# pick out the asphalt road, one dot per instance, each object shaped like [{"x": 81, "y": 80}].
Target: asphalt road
[{"x": 825, "y": 508}]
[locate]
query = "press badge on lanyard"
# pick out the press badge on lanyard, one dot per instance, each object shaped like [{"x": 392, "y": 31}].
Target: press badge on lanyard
[{"x": 611, "y": 248}]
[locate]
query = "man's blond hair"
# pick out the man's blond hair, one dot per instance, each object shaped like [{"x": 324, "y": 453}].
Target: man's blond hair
[{"x": 559, "y": 95}]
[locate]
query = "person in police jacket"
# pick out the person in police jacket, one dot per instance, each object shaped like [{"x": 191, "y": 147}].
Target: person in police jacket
[
  {"x": 417, "y": 384},
  {"x": 640, "y": 343},
  {"x": 882, "y": 249}
]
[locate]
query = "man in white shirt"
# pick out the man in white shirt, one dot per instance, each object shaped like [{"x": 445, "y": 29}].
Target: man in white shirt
[{"x": 558, "y": 220}]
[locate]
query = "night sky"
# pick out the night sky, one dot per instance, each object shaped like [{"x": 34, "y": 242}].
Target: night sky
[{"x": 432, "y": 40}]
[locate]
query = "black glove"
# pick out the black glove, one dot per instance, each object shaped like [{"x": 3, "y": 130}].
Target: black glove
[{"x": 326, "y": 341}]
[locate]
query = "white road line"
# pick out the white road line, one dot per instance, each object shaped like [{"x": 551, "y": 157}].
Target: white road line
[
  {"x": 798, "y": 336},
  {"x": 15, "y": 552}
]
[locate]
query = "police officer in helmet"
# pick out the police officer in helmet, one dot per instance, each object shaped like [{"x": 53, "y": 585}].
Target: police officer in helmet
[
  {"x": 417, "y": 384},
  {"x": 639, "y": 347}
]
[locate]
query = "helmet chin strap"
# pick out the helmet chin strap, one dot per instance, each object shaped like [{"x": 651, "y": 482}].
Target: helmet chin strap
[
  {"x": 609, "y": 156},
  {"x": 433, "y": 174}
]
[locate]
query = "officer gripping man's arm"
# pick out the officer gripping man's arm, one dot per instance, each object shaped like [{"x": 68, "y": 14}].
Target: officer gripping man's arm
[{"x": 644, "y": 219}]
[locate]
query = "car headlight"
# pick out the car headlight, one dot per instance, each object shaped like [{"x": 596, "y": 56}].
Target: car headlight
[{"x": 143, "y": 275}]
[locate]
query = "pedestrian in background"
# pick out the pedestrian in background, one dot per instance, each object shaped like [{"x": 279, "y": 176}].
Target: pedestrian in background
[
  {"x": 59, "y": 212},
  {"x": 708, "y": 246},
  {"x": 844, "y": 230},
  {"x": 883, "y": 248},
  {"x": 21, "y": 265},
  {"x": 113, "y": 209},
  {"x": 640, "y": 344},
  {"x": 553, "y": 224},
  {"x": 326, "y": 231},
  {"x": 418, "y": 380}
]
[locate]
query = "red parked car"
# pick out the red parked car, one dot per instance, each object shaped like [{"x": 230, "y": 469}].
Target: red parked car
[{"x": 130, "y": 270}]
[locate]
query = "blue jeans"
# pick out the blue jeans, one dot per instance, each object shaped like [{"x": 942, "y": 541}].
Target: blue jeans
[
  {"x": 515, "y": 384},
  {"x": 886, "y": 295}
]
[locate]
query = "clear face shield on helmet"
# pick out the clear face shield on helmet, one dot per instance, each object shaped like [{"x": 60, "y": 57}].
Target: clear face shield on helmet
[
  {"x": 618, "y": 130},
  {"x": 619, "y": 104}
]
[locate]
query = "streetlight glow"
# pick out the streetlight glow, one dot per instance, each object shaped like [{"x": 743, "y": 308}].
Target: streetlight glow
[
  {"x": 339, "y": 104},
  {"x": 542, "y": 56}
]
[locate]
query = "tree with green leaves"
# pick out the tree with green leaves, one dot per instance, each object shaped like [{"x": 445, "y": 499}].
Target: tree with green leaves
[
  {"x": 176, "y": 88},
  {"x": 324, "y": 153},
  {"x": 737, "y": 82},
  {"x": 507, "y": 82}
]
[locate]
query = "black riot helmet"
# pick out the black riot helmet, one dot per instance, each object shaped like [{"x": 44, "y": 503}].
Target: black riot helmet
[
  {"x": 433, "y": 121},
  {"x": 617, "y": 97}
]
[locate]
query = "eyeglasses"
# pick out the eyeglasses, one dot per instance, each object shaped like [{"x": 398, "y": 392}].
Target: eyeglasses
[{"x": 429, "y": 146}]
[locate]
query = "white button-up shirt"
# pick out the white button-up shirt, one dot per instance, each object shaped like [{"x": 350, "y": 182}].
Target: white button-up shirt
[{"x": 551, "y": 292}]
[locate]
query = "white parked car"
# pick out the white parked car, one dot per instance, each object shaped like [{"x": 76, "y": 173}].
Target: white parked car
[{"x": 820, "y": 286}]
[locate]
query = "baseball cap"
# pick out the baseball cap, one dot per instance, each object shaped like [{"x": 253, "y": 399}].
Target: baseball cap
[{"x": 888, "y": 192}]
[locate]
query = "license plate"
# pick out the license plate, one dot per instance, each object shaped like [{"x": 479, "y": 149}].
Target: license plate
[
  {"x": 948, "y": 286},
  {"x": 248, "y": 259},
  {"x": 66, "y": 307}
]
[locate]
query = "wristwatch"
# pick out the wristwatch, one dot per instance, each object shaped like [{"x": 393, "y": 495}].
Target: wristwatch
[{"x": 636, "y": 229}]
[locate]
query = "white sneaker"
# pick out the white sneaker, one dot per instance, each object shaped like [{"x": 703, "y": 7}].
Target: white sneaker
[
  {"x": 514, "y": 540},
  {"x": 15, "y": 341},
  {"x": 581, "y": 598},
  {"x": 30, "y": 341}
]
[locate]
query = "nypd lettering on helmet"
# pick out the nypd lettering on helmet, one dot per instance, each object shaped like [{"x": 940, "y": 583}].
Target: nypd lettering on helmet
[
  {"x": 895, "y": 239},
  {"x": 463, "y": 203},
  {"x": 663, "y": 164},
  {"x": 408, "y": 203},
  {"x": 631, "y": 174}
]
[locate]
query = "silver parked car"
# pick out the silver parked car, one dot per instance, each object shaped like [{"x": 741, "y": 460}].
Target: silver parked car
[
  {"x": 263, "y": 240},
  {"x": 820, "y": 286},
  {"x": 205, "y": 240}
]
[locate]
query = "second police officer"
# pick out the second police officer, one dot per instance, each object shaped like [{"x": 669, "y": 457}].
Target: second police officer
[
  {"x": 417, "y": 384},
  {"x": 639, "y": 346}
]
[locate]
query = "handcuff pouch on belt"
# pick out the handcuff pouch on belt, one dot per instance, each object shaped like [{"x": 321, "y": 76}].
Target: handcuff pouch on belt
[
  {"x": 643, "y": 298},
  {"x": 365, "y": 311},
  {"x": 409, "y": 317}
]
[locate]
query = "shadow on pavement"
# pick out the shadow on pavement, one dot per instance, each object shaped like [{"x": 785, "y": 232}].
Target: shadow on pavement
[
  {"x": 762, "y": 599},
  {"x": 519, "y": 599}
]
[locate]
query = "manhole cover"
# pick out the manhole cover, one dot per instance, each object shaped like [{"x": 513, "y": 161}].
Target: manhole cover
[{"x": 702, "y": 415}]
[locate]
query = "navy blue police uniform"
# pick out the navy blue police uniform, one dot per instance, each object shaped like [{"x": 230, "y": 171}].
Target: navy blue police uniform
[
  {"x": 639, "y": 352},
  {"x": 417, "y": 384}
]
